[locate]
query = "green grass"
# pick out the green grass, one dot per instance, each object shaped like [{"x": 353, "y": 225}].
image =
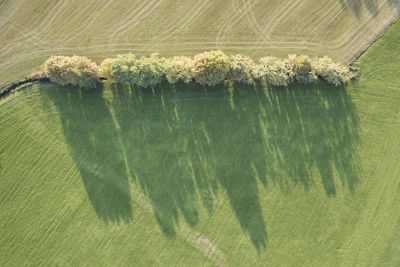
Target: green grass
[
  {"x": 188, "y": 176},
  {"x": 32, "y": 31}
]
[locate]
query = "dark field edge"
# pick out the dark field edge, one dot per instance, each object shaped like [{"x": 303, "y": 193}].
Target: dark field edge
[
  {"x": 376, "y": 36},
  {"x": 10, "y": 87}
]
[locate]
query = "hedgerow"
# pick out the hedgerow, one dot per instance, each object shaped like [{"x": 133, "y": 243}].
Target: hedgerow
[{"x": 208, "y": 68}]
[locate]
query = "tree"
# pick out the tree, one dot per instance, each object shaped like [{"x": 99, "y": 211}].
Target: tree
[
  {"x": 210, "y": 68},
  {"x": 105, "y": 68},
  {"x": 76, "y": 71},
  {"x": 240, "y": 69},
  {"x": 278, "y": 72},
  {"x": 302, "y": 69},
  {"x": 120, "y": 68},
  {"x": 333, "y": 73},
  {"x": 148, "y": 71},
  {"x": 127, "y": 68},
  {"x": 178, "y": 68}
]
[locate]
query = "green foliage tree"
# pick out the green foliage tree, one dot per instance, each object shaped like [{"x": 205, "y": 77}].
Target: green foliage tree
[
  {"x": 148, "y": 71},
  {"x": 127, "y": 68},
  {"x": 120, "y": 68}
]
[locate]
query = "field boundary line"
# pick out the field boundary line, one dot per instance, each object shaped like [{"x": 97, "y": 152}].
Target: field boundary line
[
  {"x": 376, "y": 35},
  {"x": 9, "y": 88}
]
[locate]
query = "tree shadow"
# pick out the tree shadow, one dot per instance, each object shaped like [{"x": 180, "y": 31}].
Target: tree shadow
[
  {"x": 182, "y": 152},
  {"x": 157, "y": 142},
  {"x": 235, "y": 148},
  {"x": 308, "y": 131},
  {"x": 395, "y": 4},
  {"x": 186, "y": 144},
  {"x": 357, "y": 5},
  {"x": 94, "y": 145}
]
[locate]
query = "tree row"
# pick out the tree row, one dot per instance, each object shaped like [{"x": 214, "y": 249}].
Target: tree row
[{"x": 208, "y": 68}]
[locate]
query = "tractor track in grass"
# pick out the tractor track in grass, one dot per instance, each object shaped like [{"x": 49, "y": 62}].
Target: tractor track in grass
[
  {"x": 47, "y": 212},
  {"x": 35, "y": 36},
  {"x": 193, "y": 237},
  {"x": 8, "y": 88}
]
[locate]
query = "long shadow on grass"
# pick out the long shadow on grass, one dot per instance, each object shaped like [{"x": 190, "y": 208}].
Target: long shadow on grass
[
  {"x": 308, "y": 132},
  {"x": 158, "y": 142},
  {"x": 95, "y": 146},
  {"x": 186, "y": 144}
]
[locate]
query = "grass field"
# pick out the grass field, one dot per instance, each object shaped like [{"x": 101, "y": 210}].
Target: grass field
[
  {"x": 31, "y": 31},
  {"x": 183, "y": 176}
]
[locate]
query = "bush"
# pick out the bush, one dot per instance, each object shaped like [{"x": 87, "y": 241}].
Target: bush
[
  {"x": 210, "y": 68},
  {"x": 179, "y": 69},
  {"x": 76, "y": 71}
]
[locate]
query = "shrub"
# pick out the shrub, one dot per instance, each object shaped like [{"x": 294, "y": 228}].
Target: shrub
[
  {"x": 178, "y": 68},
  {"x": 210, "y": 68},
  {"x": 240, "y": 69},
  {"x": 76, "y": 71}
]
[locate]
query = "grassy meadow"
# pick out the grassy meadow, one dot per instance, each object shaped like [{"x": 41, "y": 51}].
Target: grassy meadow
[
  {"x": 32, "y": 31},
  {"x": 187, "y": 176}
]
